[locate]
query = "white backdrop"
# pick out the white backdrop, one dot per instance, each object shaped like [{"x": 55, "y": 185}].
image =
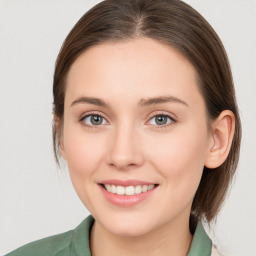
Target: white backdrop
[{"x": 37, "y": 200}]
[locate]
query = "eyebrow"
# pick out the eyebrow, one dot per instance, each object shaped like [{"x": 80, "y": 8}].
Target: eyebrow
[{"x": 142, "y": 102}]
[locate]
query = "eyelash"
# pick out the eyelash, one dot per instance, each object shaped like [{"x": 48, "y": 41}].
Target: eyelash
[{"x": 172, "y": 120}]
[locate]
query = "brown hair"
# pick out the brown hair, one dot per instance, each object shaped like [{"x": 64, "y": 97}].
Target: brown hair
[{"x": 177, "y": 24}]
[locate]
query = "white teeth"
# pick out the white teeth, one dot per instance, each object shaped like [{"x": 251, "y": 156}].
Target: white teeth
[
  {"x": 129, "y": 191},
  {"x": 120, "y": 190},
  {"x": 150, "y": 187},
  {"x": 144, "y": 188},
  {"x": 108, "y": 187},
  {"x": 138, "y": 189},
  {"x": 113, "y": 189}
]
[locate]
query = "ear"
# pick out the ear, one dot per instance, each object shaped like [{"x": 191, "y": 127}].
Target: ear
[
  {"x": 59, "y": 130},
  {"x": 223, "y": 129}
]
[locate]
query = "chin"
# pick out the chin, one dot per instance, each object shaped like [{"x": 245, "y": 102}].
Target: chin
[
  {"x": 129, "y": 230},
  {"x": 128, "y": 225}
]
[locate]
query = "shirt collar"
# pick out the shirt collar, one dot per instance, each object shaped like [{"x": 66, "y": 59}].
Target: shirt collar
[{"x": 201, "y": 243}]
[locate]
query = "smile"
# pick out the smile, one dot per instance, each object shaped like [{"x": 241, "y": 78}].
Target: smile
[
  {"x": 127, "y": 193},
  {"x": 129, "y": 190}
]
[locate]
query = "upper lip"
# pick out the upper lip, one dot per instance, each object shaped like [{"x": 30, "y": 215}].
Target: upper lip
[{"x": 125, "y": 183}]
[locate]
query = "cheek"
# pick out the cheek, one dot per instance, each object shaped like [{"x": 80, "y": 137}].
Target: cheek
[
  {"x": 180, "y": 157},
  {"x": 180, "y": 160},
  {"x": 83, "y": 151}
]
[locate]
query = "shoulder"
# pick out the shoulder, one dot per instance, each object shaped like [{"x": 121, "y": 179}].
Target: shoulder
[
  {"x": 73, "y": 242},
  {"x": 50, "y": 246}
]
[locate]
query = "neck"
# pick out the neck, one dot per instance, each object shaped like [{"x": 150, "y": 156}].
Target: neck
[{"x": 170, "y": 239}]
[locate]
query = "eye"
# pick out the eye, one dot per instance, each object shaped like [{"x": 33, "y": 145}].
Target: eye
[
  {"x": 93, "y": 120},
  {"x": 161, "y": 120}
]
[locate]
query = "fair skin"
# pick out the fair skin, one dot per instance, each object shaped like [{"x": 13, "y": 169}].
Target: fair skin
[{"x": 129, "y": 141}]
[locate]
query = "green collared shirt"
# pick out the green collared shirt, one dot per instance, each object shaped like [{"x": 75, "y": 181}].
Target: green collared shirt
[{"x": 76, "y": 243}]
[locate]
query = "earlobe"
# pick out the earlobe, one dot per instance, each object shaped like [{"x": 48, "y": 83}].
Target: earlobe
[
  {"x": 222, "y": 135},
  {"x": 62, "y": 150},
  {"x": 58, "y": 129}
]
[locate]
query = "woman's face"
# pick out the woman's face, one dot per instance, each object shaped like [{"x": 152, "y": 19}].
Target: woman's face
[{"x": 134, "y": 121}]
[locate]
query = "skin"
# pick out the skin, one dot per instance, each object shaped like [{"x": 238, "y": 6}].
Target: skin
[{"x": 130, "y": 144}]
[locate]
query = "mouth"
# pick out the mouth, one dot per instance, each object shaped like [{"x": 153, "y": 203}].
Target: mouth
[
  {"x": 127, "y": 193},
  {"x": 128, "y": 190}
]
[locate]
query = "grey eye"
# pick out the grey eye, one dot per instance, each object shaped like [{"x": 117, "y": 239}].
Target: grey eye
[
  {"x": 160, "y": 120},
  {"x": 94, "y": 120}
]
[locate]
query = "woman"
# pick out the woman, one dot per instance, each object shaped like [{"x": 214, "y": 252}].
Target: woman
[{"x": 146, "y": 118}]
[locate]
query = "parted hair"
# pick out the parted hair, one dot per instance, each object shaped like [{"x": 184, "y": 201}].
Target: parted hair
[{"x": 178, "y": 25}]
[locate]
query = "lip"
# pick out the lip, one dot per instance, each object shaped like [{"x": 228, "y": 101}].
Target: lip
[
  {"x": 125, "y": 183},
  {"x": 124, "y": 200}
]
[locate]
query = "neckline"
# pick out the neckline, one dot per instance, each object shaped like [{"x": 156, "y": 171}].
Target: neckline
[{"x": 201, "y": 243}]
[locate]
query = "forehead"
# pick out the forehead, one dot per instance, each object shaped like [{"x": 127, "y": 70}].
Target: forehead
[{"x": 138, "y": 67}]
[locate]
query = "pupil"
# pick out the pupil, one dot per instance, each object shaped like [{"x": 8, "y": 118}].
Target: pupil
[
  {"x": 96, "y": 120},
  {"x": 161, "y": 119}
]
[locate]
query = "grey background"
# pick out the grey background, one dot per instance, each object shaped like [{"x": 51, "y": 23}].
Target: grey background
[{"x": 37, "y": 200}]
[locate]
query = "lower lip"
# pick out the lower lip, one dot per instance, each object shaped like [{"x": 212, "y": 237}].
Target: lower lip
[{"x": 126, "y": 201}]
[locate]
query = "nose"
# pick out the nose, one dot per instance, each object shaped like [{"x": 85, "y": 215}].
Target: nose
[{"x": 125, "y": 151}]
